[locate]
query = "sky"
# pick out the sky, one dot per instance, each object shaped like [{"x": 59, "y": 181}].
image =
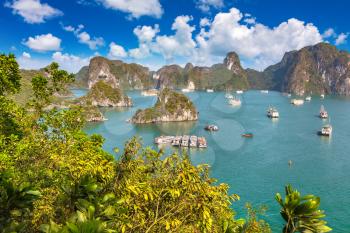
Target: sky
[{"x": 161, "y": 32}]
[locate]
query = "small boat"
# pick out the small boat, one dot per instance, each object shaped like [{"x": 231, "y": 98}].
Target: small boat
[
  {"x": 193, "y": 141},
  {"x": 323, "y": 113},
  {"x": 297, "y": 101},
  {"x": 308, "y": 98},
  {"x": 239, "y": 92},
  {"x": 210, "y": 90},
  {"x": 176, "y": 141},
  {"x": 202, "y": 143},
  {"x": 235, "y": 102},
  {"x": 247, "y": 135},
  {"x": 273, "y": 113},
  {"x": 186, "y": 90},
  {"x": 322, "y": 96},
  {"x": 185, "y": 141},
  {"x": 289, "y": 95},
  {"x": 228, "y": 96},
  {"x": 264, "y": 91},
  {"x": 326, "y": 131},
  {"x": 211, "y": 128},
  {"x": 151, "y": 92}
]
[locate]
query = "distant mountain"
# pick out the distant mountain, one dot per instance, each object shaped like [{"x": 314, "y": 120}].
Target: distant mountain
[
  {"x": 228, "y": 75},
  {"x": 317, "y": 69}
]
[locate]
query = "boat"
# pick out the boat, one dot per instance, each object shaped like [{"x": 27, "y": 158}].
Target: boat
[
  {"x": 323, "y": 113},
  {"x": 185, "y": 141},
  {"x": 202, "y": 142},
  {"x": 211, "y": 128},
  {"x": 289, "y": 95},
  {"x": 164, "y": 140},
  {"x": 210, "y": 90},
  {"x": 239, "y": 92},
  {"x": 247, "y": 135},
  {"x": 193, "y": 141},
  {"x": 297, "y": 101},
  {"x": 151, "y": 92},
  {"x": 186, "y": 90},
  {"x": 272, "y": 113},
  {"x": 177, "y": 141},
  {"x": 264, "y": 91},
  {"x": 326, "y": 130},
  {"x": 308, "y": 98},
  {"x": 322, "y": 96},
  {"x": 235, "y": 102},
  {"x": 228, "y": 96}
]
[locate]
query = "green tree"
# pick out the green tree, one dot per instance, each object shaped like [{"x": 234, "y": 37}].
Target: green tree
[
  {"x": 9, "y": 74},
  {"x": 301, "y": 213},
  {"x": 253, "y": 224}
]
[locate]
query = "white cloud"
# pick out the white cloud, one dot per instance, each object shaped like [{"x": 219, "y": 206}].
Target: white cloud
[
  {"x": 341, "y": 39},
  {"x": 204, "y": 22},
  {"x": 43, "y": 43},
  {"x": 116, "y": 51},
  {"x": 135, "y": 8},
  {"x": 329, "y": 33},
  {"x": 26, "y": 55},
  {"x": 257, "y": 44},
  {"x": 32, "y": 64},
  {"x": 146, "y": 33},
  {"x": 205, "y": 5},
  {"x": 250, "y": 20},
  {"x": 70, "y": 62},
  {"x": 84, "y": 37},
  {"x": 33, "y": 11}
]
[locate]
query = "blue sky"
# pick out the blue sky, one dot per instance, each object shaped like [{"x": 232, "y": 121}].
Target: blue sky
[{"x": 159, "y": 32}]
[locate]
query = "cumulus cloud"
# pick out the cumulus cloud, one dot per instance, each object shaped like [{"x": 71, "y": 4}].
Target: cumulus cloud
[
  {"x": 70, "y": 62},
  {"x": 329, "y": 33},
  {"x": 33, "y": 11},
  {"x": 204, "y": 22},
  {"x": 341, "y": 39},
  {"x": 84, "y": 37},
  {"x": 26, "y": 55},
  {"x": 43, "y": 43},
  {"x": 116, "y": 51},
  {"x": 205, "y": 5},
  {"x": 135, "y": 8}
]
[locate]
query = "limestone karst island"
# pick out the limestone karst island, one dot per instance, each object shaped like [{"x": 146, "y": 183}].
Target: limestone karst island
[{"x": 189, "y": 116}]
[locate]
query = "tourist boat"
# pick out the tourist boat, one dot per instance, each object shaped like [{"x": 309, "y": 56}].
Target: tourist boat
[
  {"x": 289, "y": 95},
  {"x": 193, "y": 141},
  {"x": 308, "y": 98},
  {"x": 177, "y": 141},
  {"x": 247, "y": 135},
  {"x": 228, "y": 96},
  {"x": 297, "y": 101},
  {"x": 210, "y": 90},
  {"x": 186, "y": 90},
  {"x": 202, "y": 142},
  {"x": 185, "y": 141},
  {"x": 272, "y": 113},
  {"x": 326, "y": 130},
  {"x": 235, "y": 102},
  {"x": 264, "y": 91},
  {"x": 322, "y": 96},
  {"x": 211, "y": 128},
  {"x": 164, "y": 140},
  {"x": 323, "y": 113},
  {"x": 239, "y": 92}
]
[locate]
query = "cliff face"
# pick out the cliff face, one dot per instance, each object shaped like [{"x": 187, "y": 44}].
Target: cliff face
[
  {"x": 314, "y": 69},
  {"x": 115, "y": 73},
  {"x": 103, "y": 95},
  {"x": 170, "y": 106}
]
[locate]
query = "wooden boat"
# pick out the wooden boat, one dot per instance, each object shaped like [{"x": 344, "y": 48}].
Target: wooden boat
[{"x": 247, "y": 135}]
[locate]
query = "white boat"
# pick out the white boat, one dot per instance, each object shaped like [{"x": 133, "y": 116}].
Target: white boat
[
  {"x": 289, "y": 95},
  {"x": 273, "y": 113},
  {"x": 264, "y": 91},
  {"x": 186, "y": 90},
  {"x": 297, "y": 101},
  {"x": 235, "y": 102},
  {"x": 210, "y": 90},
  {"x": 211, "y": 128},
  {"x": 164, "y": 140},
  {"x": 185, "y": 141},
  {"x": 228, "y": 96},
  {"x": 308, "y": 98},
  {"x": 239, "y": 92},
  {"x": 326, "y": 130},
  {"x": 176, "y": 141},
  {"x": 322, "y": 96},
  {"x": 152, "y": 92},
  {"x": 323, "y": 113},
  {"x": 193, "y": 141}
]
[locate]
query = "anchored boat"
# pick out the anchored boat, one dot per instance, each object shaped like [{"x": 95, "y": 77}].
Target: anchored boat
[
  {"x": 211, "y": 128},
  {"x": 326, "y": 130},
  {"x": 323, "y": 113},
  {"x": 297, "y": 101},
  {"x": 273, "y": 113}
]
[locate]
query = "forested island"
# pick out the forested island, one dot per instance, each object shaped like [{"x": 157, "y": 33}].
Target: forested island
[{"x": 56, "y": 178}]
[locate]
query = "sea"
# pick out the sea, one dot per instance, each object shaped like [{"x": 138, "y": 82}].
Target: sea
[{"x": 256, "y": 168}]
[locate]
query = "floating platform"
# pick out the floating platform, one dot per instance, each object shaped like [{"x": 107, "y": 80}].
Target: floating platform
[{"x": 182, "y": 141}]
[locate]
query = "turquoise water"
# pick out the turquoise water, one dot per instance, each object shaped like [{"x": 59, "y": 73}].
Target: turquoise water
[{"x": 257, "y": 168}]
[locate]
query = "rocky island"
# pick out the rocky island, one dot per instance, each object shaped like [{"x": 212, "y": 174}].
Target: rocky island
[
  {"x": 170, "y": 106},
  {"x": 103, "y": 95}
]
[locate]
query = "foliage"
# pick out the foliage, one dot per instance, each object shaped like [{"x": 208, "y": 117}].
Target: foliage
[
  {"x": 9, "y": 74},
  {"x": 301, "y": 213},
  {"x": 253, "y": 224}
]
